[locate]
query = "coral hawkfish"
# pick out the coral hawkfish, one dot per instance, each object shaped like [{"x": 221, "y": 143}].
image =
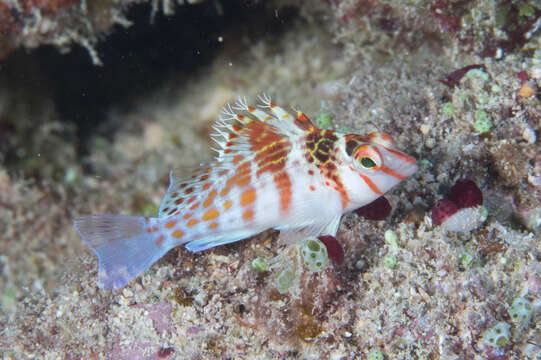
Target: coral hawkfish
[{"x": 273, "y": 170}]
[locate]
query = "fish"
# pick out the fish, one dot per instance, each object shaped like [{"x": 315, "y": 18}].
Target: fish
[{"x": 273, "y": 170}]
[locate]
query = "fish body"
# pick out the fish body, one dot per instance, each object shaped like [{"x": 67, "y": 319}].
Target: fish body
[{"x": 273, "y": 170}]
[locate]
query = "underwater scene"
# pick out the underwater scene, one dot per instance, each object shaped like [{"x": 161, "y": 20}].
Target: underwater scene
[{"x": 250, "y": 179}]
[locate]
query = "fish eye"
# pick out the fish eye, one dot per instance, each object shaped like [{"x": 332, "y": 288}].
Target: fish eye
[
  {"x": 367, "y": 162},
  {"x": 368, "y": 157}
]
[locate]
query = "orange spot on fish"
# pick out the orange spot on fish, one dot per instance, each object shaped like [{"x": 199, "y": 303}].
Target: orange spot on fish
[
  {"x": 228, "y": 151},
  {"x": 214, "y": 225},
  {"x": 223, "y": 172},
  {"x": 248, "y": 214},
  {"x": 154, "y": 228},
  {"x": 178, "y": 233},
  {"x": 192, "y": 222},
  {"x": 206, "y": 186},
  {"x": 210, "y": 198},
  {"x": 312, "y": 187},
  {"x": 159, "y": 240},
  {"x": 170, "y": 224},
  {"x": 283, "y": 184},
  {"x": 237, "y": 127},
  {"x": 237, "y": 159},
  {"x": 211, "y": 215},
  {"x": 251, "y": 109},
  {"x": 247, "y": 197},
  {"x": 194, "y": 206},
  {"x": 242, "y": 176},
  {"x": 225, "y": 191},
  {"x": 227, "y": 205},
  {"x": 204, "y": 177},
  {"x": 187, "y": 216},
  {"x": 192, "y": 199}
]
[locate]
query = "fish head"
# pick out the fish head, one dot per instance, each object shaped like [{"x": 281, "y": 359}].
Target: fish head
[{"x": 377, "y": 164}]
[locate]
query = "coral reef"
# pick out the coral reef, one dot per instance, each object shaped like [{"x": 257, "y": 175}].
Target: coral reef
[{"x": 397, "y": 288}]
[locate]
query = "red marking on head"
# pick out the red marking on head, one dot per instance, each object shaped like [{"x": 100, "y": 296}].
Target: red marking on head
[
  {"x": 159, "y": 240},
  {"x": 271, "y": 105},
  {"x": 393, "y": 173},
  {"x": 248, "y": 197},
  {"x": 251, "y": 109},
  {"x": 370, "y": 184},
  {"x": 237, "y": 127},
  {"x": 149, "y": 230},
  {"x": 229, "y": 143},
  {"x": 401, "y": 155},
  {"x": 240, "y": 117}
]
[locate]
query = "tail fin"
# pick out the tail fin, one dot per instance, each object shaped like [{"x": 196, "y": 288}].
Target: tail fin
[{"x": 123, "y": 246}]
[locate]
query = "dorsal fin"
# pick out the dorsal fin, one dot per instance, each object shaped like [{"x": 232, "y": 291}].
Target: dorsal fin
[
  {"x": 188, "y": 186},
  {"x": 241, "y": 127}
]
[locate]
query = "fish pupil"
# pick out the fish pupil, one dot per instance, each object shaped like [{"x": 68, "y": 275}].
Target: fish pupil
[{"x": 367, "y": 162}]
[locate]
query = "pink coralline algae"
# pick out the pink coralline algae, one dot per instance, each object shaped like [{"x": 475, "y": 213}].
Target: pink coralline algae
[
  {"x": 442, "y": 210},
  {"x": 378, "y": 209},
  {"x": 334, "y": 249},
  {"x": 462, "y": 212},
  {"x": 465, "y": 193}
]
